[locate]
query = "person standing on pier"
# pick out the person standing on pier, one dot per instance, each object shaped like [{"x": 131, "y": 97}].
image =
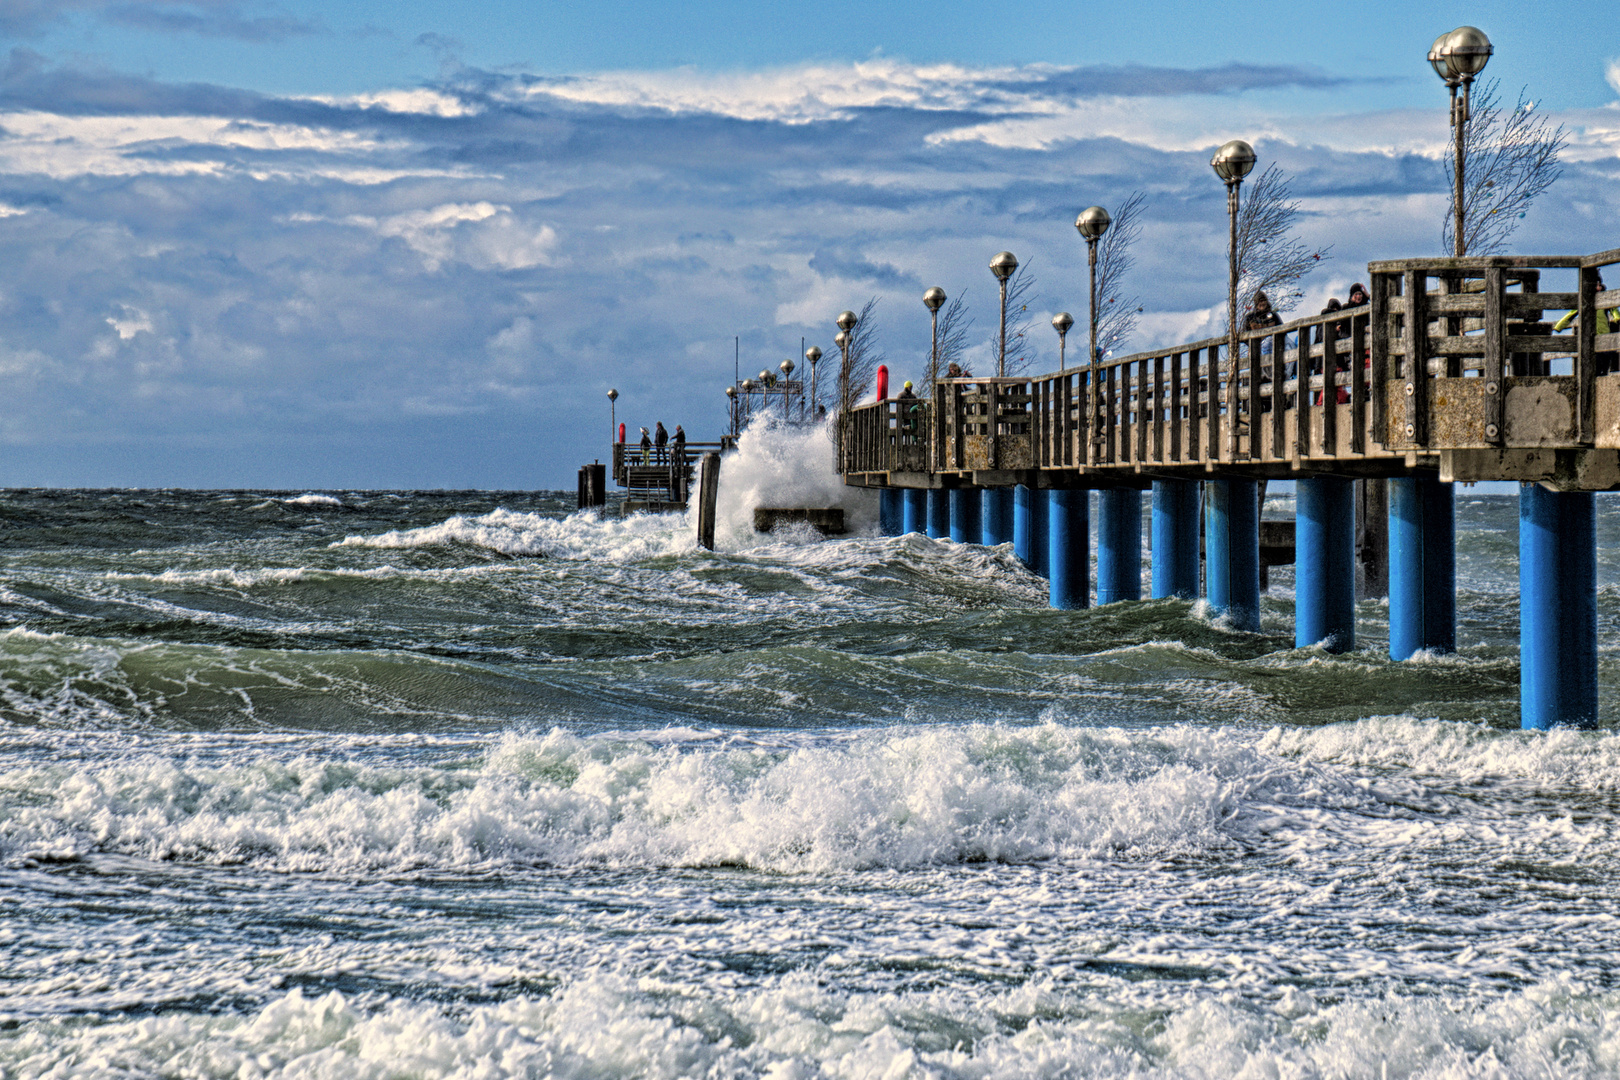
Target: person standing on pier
[
  {"x": 678, "y": 453},
  {"x": 646, "y": 447},
  {"x": 660, "y": 437},
  {"x": 1608, "y": 320}
]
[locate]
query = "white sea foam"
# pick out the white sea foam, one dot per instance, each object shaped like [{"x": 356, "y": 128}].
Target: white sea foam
[
  {"x": 776, "y": 465},
  {"x": 773, "y": 465},
  {"x": 603, "y": 1026},
  {"x": 314, "y": 500},
  {"x": 585, "y": 535},
  {"x": 909, "y": 797}
]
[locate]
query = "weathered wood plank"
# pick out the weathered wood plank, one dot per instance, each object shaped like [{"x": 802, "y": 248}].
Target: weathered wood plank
[
  {"x": 1495, "y": 291},
  {"x": 1415, "y": 386}
]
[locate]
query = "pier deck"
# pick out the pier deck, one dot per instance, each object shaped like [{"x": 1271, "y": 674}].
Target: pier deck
[{"x": 1486, "y": 391}]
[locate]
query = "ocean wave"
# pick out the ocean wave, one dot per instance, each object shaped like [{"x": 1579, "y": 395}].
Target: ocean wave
[
  {"x": 313, "y": 500},
  {"x": 897, "y": 798},
  {"x": 605, "y": 1026},
  {"x": 584, "y": 535}
]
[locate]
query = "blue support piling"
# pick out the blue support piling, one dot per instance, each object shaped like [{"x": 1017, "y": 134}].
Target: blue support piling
[
  {"x": 965, "y": 504},
  {"x": 891, "y": 512},
  {"x": 996, "y": 516},
  {"x": 1119, "y": 545},
  {"x": 1325, "y": 563},
  {"x": 1175, "y": 539},
  {"x": 939, "y": 513},
  {"x": 1557, "y": 608},
  {"x": 1232, "y": 550},
  {"x": 1030, "y": 528},
  {"x": 1422, "y": 567},
  {"x": 1068, "y": 526},
  {"x": 915, "y": 517}
]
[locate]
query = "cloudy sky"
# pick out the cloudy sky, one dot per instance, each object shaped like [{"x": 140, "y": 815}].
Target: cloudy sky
[{"x": 412, "y": 244}]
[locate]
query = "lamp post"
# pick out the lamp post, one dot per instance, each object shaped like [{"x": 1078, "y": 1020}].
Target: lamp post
[
  {"x": 812, "y": 354},
  {"x": 731, "y": 401},
  {"x": 786, "y": 367},
  {"x": 613, "y": 416},
  {"x": 1232, "y": 162},
  {"x": 846, "y": 328},
  {"x": 1457, "y": 58},
  {"x": 932, "y": 300},
  {"x": 1003, "y": 266},
  {"x": 1061, "y": 323}
]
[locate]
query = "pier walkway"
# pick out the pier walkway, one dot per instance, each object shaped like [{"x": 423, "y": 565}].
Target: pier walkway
[{"x": 1451, "y": 372}]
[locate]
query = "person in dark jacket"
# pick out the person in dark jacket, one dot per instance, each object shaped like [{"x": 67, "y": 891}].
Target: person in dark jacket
[
  {"x": 1358, "y": 296},
  {"x": 678, "y": 446},
  {"x": 646, "y": 447},
  {"x": 1261, "y": 315},
  {"x": 660, "y": 436}
]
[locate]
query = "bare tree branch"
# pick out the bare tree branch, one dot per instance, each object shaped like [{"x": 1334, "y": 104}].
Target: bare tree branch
[
  {"x": 1116, "y": 312},
  {"x": 954, "y": 324},
  {"x": 1269, "y": 259},
  {"x": 1508, "y": 160},
  {"x": 1021, "y": 296},
  {"x": 865, "y": 354}
]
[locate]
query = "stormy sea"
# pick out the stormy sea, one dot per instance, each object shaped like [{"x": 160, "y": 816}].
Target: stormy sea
[{"x": 470, "y": 784}]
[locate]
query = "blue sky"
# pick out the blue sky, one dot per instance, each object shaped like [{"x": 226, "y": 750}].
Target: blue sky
[{"x": 412, "y": 244}]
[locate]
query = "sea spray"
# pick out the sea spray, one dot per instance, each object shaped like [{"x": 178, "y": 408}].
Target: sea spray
[{"x": 783, "y": 465}]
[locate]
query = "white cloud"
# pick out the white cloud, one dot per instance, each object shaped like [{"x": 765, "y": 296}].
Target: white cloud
[
  {"x": 131, "y": 322},
  {"x": 492, "y": 239}
]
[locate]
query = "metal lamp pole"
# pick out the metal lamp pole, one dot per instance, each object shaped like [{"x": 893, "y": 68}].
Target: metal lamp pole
[
  {"x": 1061, "y": 323},
  {"x": 812, "y": 354},
  {"x": 932, "y": 300},
  {"x": 613, "y": 416},
  {"x": 1003, "y": 266},
  {"x": 731, "y": 401},
  {"x": 1232, "y": 162},
  {"x": 787, "y": 388},
  {"x": 1457, "y": 58}
]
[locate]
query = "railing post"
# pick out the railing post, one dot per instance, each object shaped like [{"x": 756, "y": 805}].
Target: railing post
[
  {"x": 1379, "y": 316},
  {"x": 1586, "y": 358},
  {"x": 1416, "y": 341},
  {"x": 1495, "y": 335},
  {"x": 1358, "y": 385}
]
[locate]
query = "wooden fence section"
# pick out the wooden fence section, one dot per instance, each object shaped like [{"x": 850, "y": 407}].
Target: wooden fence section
[{"x": 1332, "y": 393}]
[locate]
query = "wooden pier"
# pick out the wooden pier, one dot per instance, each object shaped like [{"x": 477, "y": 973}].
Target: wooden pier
[
  {"x": 1452, "y": 371},
  {"x": 659, "y": 478},
  {"x": 1470, "y": 397}
]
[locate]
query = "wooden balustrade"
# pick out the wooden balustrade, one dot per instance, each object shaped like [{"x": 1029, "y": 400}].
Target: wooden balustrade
[{"x": 1334, "y": 392}]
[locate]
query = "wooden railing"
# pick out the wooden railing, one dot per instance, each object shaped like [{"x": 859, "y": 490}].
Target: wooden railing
[
  {"x": 631, "y": 455},
  {"x": 1335, "y": 390},
  {"x": 1487, "y": 353},
  {"x": 892, "y": 435}
]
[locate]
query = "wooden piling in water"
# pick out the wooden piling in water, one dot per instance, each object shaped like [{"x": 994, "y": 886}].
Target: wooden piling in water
[{"x": 708, "y": 495}]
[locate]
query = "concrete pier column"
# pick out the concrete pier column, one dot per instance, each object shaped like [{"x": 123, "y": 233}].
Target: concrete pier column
[
  {"x": 1232, "y": 550},
  {"x": 1325, "y": 563},
  {"x": 1119, "y": 545},
  {"x": 1422, "y": 567},
  {"x": 939, "y": 513},
  {"x": 996, "y": 516},
  {"x": 914, "y": 519},
  {"x": 1175, "y": 539},
  {"x": 1557, "y": 608},
  {"x": 891, "y": 512},
  {"x": 1030, "y": 528},
  {"x": 1068, "y": 524},
  {"x": 965, "y": 504}
]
